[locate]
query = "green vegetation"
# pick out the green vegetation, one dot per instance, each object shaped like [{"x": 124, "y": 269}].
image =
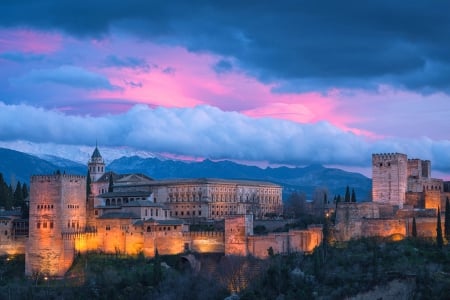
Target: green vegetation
[
  {"x": 13, "y": 196},
  {"x": 354, "y": 267},
  {"x": 339, "y": 271}
]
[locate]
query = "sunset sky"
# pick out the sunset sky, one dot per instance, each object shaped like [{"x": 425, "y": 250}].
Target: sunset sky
[{"x": 279, "y": 82}]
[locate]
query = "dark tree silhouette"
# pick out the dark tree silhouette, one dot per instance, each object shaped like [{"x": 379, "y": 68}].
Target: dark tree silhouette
[
  {"x": 447, "y": 220},
  {"x": 414, "y": 228},
  {"x": 111, "y": 183},
  {"x": 88, "y": 184},
  {"x": 439, "y": 238},
  {"x": 353, "y": 195},
  {"x": 347, "y": 194}
]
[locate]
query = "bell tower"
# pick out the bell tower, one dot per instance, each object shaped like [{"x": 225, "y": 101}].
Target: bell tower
[{"x": 96, "y": 165}]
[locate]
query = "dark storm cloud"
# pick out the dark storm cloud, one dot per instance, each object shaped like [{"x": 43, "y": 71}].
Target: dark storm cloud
[
  {"x": 336, "y": 42},
  {"x": 223, "y": 66},
  {"x": 128, "y": 62}
]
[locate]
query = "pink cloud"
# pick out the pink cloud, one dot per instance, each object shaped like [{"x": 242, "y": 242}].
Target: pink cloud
[{"x": 26, "y": 40}]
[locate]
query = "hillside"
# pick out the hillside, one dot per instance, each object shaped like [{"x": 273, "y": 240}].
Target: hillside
[
  {"x": 19, "y": 166},
  {"x": 305, "y": 179}
]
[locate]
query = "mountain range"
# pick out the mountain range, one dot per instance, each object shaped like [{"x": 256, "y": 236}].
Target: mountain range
[{"x": 18, "y": 166}]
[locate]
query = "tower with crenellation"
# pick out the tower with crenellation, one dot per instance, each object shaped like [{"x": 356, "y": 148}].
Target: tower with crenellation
[
  {"x": 389, "y": 178},
  {"x": 57, "y": 208}
]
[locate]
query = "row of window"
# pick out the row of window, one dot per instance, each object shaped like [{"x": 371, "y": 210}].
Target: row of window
[
  {"x": 73, "y": 206},
  {"x": 45, "y": 206},
  {"x": 188, "y": 213},
  {"x": 44, "y": 224}
]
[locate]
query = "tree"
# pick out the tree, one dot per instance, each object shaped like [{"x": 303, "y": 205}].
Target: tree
[
  {"x": 353, "y": 195},
  {"x": 439, "y": 239},
  {"x": 88, "y": 184},
  {"x": 414, "y": 228},
  {"x": 347, "y": 194},
  {"x": 295, "y": 204},
  {"x": 157, "y": 270},
  {"x": 18, "y": 196},
  {"x": 447, "y": 220},
  {"x": 111, "y": 183},
  {"x": 24, "y": 191}
]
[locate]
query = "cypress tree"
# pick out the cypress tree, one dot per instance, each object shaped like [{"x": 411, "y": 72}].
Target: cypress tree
[
  {"x": 157, "y": 270},
  {"x": 353, "y": 195},
  {"x": 347, "y": 194},
  {"x": 88, "y": 184},
  {"x": 24, "y": 191},
  {"x": 447, "y": 220},
  {"x": 439, "y": 239},
  {"x": 338, "y": 199},
  {"x": 111, "y": 183},
  {"x": 414, "y": 228},
  {"x": 18, "y": 196}
]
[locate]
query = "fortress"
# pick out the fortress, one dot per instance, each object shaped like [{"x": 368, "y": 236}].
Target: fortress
[
  {"x": 132, "y": 213},
  {"x": 402, "y": 189}
]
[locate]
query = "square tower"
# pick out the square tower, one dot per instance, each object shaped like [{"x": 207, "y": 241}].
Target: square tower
[
  {"x": 389, "y": 178},
  {"x": 57, "y": 207}
]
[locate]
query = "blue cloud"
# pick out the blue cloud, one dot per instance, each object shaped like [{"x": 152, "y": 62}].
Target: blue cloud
[
  {"x": 223, "y": 66},
  {"x": 19, "y": 57},
  {"x": 66, "y": 75},
  {"x": 128, "y": 62}
]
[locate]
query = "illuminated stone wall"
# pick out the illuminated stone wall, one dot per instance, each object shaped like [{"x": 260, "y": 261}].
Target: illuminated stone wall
[
  {"x": 57, "y": 205},
  {"x": 285, "y": 242},
  {"x": 389, "y": 178},
  {"x": 236, "y": 232}
]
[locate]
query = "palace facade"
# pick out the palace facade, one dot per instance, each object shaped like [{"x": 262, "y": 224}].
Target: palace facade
[{"x": 133, "y": 213}]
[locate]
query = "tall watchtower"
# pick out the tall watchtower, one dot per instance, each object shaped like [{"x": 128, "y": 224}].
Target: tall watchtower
[
  {"x": 57, "y": 207},
  {"x": 389, "y": 178},
  {"x": 96, "y": 165}
]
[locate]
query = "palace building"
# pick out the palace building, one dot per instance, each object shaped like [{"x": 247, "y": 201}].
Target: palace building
[{"x": 133, "y": 213}]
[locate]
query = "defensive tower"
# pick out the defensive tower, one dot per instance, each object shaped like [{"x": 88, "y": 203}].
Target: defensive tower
[
  {"x": 389, "y": 178},
  {"x": 57, "y": 206}
]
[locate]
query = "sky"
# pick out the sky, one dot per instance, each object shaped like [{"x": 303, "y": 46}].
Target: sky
[{"x": 269, "y": 82}]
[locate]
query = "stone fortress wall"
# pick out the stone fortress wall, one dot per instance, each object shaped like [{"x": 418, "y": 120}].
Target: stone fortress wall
[
  {"x": 57, "y": 206},
  {"x": 402, "y": 189},
  {"x": 63, "y": 223}
]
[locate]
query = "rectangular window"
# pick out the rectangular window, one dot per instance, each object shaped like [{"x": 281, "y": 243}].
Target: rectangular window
[
  {"x": 38, "y": 225},
  {"x": 156, "y": 212},
  {"x": 108, "y": 227},
  {"x": 51, "y": 224},
  {"x": 44, "y": 225}
]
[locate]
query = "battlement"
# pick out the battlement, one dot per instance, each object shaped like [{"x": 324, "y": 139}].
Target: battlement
[
  {"x": 56, "y": 177},
  {"x": 382, "y": 157}
]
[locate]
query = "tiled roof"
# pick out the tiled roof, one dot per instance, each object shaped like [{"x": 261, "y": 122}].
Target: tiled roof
[
  {"x": 119, "y": 215},
  {"x": 125, "y": 194},
  {"x": 143, "y": 203},
  {"x": 165, "y": 222}
]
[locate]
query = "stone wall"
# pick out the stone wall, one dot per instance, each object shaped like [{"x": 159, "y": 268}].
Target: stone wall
[
  {"x": 285, "y": 242},
  {"x": 57, "y": 205},
  {"x": 389, "y": 178}
]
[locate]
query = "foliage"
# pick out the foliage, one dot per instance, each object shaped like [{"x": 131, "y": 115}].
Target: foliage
[
  {"x": 439, "y": 238},
  {"x": 447, "y": 220},
  {"x": 111, "y": 183},
  {"x": 414, "y": 227},
  {"x": 353, "y": 196},
  {"x": 347, "y": 194},
  {"x": 88, "y": 184}
]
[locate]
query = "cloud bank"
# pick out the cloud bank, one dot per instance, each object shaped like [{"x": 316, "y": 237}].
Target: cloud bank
[
  {"x": 317, "y": 43},
  {"x": 208, "y": 132}
]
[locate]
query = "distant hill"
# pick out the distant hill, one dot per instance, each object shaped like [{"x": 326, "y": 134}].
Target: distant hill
[
  {"x": 305, "y": 179},
  {"x": 19, "y": 166}
]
